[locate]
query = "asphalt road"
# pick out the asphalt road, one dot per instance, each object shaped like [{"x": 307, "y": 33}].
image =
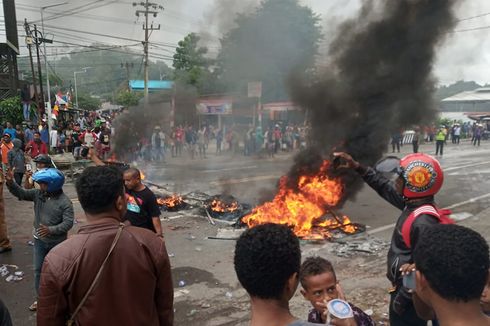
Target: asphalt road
[{"x": 212, "y": 295}]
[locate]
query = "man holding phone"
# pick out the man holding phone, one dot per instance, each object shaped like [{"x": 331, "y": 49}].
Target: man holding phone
[
  {"x": 409, "y": 184},
  {"x": 53, "y": 214}
]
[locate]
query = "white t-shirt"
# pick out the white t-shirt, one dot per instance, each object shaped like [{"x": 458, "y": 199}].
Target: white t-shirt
[{"x": 53, "y": 138}]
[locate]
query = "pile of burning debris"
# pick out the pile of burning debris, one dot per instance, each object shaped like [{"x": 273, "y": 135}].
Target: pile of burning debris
[
  {"x": 305, "y": 204},
  {"x": 225, "y": 208},
  {"x": 307, "y": 208}
]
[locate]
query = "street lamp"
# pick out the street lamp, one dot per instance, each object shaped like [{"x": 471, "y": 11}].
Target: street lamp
[
  {"x": 46, "y": 62},
  {"x": 84, "y": 70}
]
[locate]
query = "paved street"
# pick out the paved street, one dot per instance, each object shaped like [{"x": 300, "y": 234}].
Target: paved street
[{"x": 212, "y": 295}]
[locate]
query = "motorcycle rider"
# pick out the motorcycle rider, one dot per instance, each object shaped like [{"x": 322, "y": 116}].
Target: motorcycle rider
[{"x": 418, "y": 178}]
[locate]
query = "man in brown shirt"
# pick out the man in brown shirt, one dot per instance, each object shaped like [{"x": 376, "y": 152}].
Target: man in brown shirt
[{"x": 135, "y": 284}]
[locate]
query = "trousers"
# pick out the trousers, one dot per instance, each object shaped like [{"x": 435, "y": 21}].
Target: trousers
[{"x": 4, "y": 239}]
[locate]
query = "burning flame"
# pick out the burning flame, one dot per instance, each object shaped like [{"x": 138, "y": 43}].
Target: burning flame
[
  {"x": 142, "y": 175},
  {"x": 171, "y": 201},
  {"x": 305, "y": 209},
  {"x": 222, "y": 207}
]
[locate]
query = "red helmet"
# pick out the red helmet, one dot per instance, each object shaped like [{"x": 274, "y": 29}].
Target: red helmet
[{"x": 422, "y": 174}]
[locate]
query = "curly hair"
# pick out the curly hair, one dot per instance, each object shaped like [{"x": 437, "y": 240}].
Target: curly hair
[
  {"x": 454, "y": 260},
  {"x": 266, "y": 256},
  {"x": 98, "y": 188},
  {"x": 314, "y": 266}
]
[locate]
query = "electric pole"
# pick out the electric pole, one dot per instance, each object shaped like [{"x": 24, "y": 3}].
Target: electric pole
[
  {"x": 37, "y": 40},
  {"x": 29, "y": 42},
  {"x": 153, "y": 9}
]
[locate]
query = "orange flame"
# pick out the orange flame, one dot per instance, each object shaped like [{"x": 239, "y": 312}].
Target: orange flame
[
  {"x": 142, "y": 175},
  {"x": 171, "y": 201},
  {"x": 222, "y": 207},
  {"x": 304, "y": 209}
]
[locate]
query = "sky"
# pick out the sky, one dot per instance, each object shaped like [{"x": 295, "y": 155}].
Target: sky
[{"x": 464, "y": 55}]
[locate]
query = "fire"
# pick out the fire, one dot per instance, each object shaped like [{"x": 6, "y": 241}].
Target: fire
[
  {"x": 305, "y": 209},
  {"x": 222, "y": 207},
  {"x": 171, "y": 201},
  {"x": 142, "y": 175}
]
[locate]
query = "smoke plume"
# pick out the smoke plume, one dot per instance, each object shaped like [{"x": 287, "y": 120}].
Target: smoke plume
[{"x": 378, "y": 80}]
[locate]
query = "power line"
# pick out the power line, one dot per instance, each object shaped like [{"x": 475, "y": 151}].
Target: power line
[{"x": 473, "y": 17}]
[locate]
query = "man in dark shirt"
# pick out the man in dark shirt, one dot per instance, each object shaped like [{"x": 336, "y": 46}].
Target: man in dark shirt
[{"x": 142, "y": 210}]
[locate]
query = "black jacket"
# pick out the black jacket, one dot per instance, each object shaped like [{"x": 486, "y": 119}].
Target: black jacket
[{"x": 399, "y": 253}]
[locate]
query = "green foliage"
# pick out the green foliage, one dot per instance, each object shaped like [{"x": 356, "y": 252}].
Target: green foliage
[
  {"x": 87, "y": 102},
  {"x": 128, "y": 99},
  {"x": 191, "y": 67},
  {"x": 11, "y": 110},
  {"x": 447, "y": 122},
  {"x": 107, "y": 72},
  {"x": 267, "y": 45}
]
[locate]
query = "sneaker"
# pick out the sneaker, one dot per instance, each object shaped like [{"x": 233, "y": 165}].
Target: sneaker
[{"x": 33, "y": 306}]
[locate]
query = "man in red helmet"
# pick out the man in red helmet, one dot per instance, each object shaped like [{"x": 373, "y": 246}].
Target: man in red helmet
[{"x": 418, "y": 178}]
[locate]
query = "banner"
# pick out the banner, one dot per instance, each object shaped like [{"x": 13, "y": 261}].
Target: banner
[
  {"x": 214, "y": 107},
  {"x": 255, "y": 89}
]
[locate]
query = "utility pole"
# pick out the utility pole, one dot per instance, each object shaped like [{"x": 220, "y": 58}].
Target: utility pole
[
  {"x": 37, "y": 40},
  {"x": 149, "y": 8},
  {"x": 29, "y": 42}
]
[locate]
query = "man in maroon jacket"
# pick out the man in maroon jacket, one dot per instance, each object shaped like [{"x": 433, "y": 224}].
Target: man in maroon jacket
[{"x": 134, "y": 286}]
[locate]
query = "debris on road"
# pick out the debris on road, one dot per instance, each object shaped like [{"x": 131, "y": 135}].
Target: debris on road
[{"x": 367, "y": 246}]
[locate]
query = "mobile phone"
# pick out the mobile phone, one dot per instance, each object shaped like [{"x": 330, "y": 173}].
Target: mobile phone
[
  {"x": 409, "y": 281},
  {"x": 28, "y": 167}
]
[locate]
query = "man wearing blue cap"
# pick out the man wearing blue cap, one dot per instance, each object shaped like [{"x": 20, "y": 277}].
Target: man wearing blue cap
[{"x": 53, "y": 214}]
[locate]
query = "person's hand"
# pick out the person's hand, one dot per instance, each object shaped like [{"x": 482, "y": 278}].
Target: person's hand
[
  {"x": 346, "y": 161},
  {"x": 343, "y": 322},
  {"x": 43, "y": 231},
  {"x": 28, "y": 174},
  {"x": 407, "y": 269},
  {"x": 9, "y": 176}
]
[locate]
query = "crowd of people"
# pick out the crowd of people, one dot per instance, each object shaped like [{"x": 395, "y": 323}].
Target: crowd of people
[
  {"x": 439, "y": 271},
  {"x": 440, "y": 135},
  {"x": 249, "y": 141}
]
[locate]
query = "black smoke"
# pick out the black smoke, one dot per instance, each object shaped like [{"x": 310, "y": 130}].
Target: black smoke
[{"x": 378, "y": 80}]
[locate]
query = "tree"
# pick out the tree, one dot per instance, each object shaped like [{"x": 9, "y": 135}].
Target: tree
[
  {"x": 128, "y": 99},
  {"x": 11, "y": 110},
  {"x": 191, "y": 67},
  {"x": 267, "y": 45},
  {"x": 87, "y": 102}
]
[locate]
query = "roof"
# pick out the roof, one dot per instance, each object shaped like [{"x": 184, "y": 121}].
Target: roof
[
  {"x": 280, "y": 106},
  {"x": 480, "y": 95},
  {"x": 152, "y": 84}
]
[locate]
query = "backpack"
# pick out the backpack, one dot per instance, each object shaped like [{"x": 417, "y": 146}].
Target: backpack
[{"x": 441, "y": 214}]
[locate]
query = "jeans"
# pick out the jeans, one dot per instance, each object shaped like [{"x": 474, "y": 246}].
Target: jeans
[
  {"x": 415, "y": 146},
  {"x": 41, "y": 249},
  {"x": 158, "y": 154},
  {"x": 439, "y": 146},
  {"x": 26, "y": 108}
]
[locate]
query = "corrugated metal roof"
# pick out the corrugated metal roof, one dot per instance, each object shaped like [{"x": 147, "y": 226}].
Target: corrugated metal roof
[
  {"x": 478, "y": 95},
  {"x": 152, "y": 84}
]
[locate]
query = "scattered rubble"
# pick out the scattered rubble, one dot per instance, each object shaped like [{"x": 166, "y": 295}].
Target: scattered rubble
[
  {"x": 11, "y": 273},
  {"x": 366, "y": 246}
]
